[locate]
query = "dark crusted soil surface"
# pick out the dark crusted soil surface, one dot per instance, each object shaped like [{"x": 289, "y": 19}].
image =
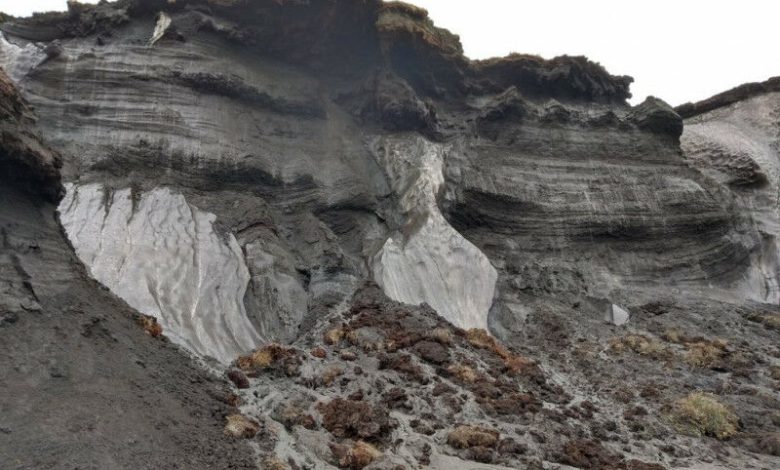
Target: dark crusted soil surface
[
  {"x": 635, "y": 377},
  {"x": 399, "y": 387},
  {"x": 81, "y": 384}
]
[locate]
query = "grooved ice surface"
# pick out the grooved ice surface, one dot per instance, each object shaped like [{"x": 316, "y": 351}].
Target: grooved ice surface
[
  {"x": 164, "y": 258},
  {"x": 429, "y": 261}
]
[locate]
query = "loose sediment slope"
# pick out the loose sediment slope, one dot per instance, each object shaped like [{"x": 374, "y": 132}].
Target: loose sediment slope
[{"x": 82, "y": 384}]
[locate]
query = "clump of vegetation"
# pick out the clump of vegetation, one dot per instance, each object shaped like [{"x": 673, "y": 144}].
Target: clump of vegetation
[
  {"x": 359, "y": 456},
  {"x": 231, "y": 399},
  {"x": 150, "y": 325},
  {"x": 583, "y": 453},
  {"x": 705, "y": 353},
  {"x": 519, "y": 365},
  {"x": 403, "y": 363},
  {"x": 480, "y": 338},
  {"x": 586, "y": 350},
  {"x": 319, "y": 353},
  {"x": 701, "y": 414},
  {"x": 513, "y": 363},
  {"x": 700, "y": 352},
  {"x": 769, "y": 444},
  {"x": 238, "y": 378},
  {"x": 293, "y": 414},
  {"x": 441, "y": 335},
  {"x": 264, "y": 357},
  {"x": 274, "y": 463},
  {"x": 466, "y": 436},
  {"x": 364, "y": 339},
  {"x": 261, "y": 358},
  {"x": 640, "y": 344},
  {"x": 330, "y": 375},
  {"x": 240, "y": 426},
  {"x": 334, "y": 336},
  {"x": 774, "y": 372},
  {"x": 673, "y": 335},
  {"x": 463, "y": 373},
  {"x": 772, "y": 321},
  {"x": 769, "y": 320},
  {"x": 355, "y": 419}
]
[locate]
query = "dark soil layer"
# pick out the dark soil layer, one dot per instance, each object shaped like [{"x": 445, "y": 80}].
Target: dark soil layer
[{"x": 83, "y": 386}]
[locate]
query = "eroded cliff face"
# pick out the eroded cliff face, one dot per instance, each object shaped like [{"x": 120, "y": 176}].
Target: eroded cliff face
[
  {"x": 734, "y": 138},
  {"x": 240, "y": 170},
  {"x": 74, "y": 360},
  {"x": 35, "y": 167},
  {"x": 546, "y": 180}
]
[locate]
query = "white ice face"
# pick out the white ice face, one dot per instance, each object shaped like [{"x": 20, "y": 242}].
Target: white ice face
[
  {"x": 431, "y": 262},
  {"x": 164, "y": 258},
  {"x": 17, "y": 61}
]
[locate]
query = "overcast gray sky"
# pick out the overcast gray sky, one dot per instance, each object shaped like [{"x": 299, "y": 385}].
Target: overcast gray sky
[{"x": 678, "y": 50}]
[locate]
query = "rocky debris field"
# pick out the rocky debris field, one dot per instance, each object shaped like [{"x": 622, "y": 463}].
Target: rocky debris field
[{"x": 389, "y": 385}]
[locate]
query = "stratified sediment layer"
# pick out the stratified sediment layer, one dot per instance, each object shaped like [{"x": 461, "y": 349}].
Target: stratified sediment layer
[
  {"x": 738, "y": 144},
  {"x": 239, "y": 169}
]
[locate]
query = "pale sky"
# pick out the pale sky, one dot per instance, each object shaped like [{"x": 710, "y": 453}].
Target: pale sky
[{"x": 678, "y": 50}]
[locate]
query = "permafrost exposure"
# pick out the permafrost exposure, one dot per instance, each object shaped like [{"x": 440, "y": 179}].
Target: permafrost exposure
[
  {"x": 429, "y": 261},
  {"x": 396, "y": 256},
  {"x": 738, "y": 144},
  {"x": 164, "y": 258}
]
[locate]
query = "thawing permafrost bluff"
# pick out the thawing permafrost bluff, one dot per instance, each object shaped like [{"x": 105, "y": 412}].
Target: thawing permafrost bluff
[
  {"x": 428, "y": 260},
  {"x": 165, "y": 258},
  {"x": 335, "y": 203}
]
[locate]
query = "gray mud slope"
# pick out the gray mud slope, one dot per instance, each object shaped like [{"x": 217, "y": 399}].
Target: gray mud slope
[{"x": 81, "y": 384}]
